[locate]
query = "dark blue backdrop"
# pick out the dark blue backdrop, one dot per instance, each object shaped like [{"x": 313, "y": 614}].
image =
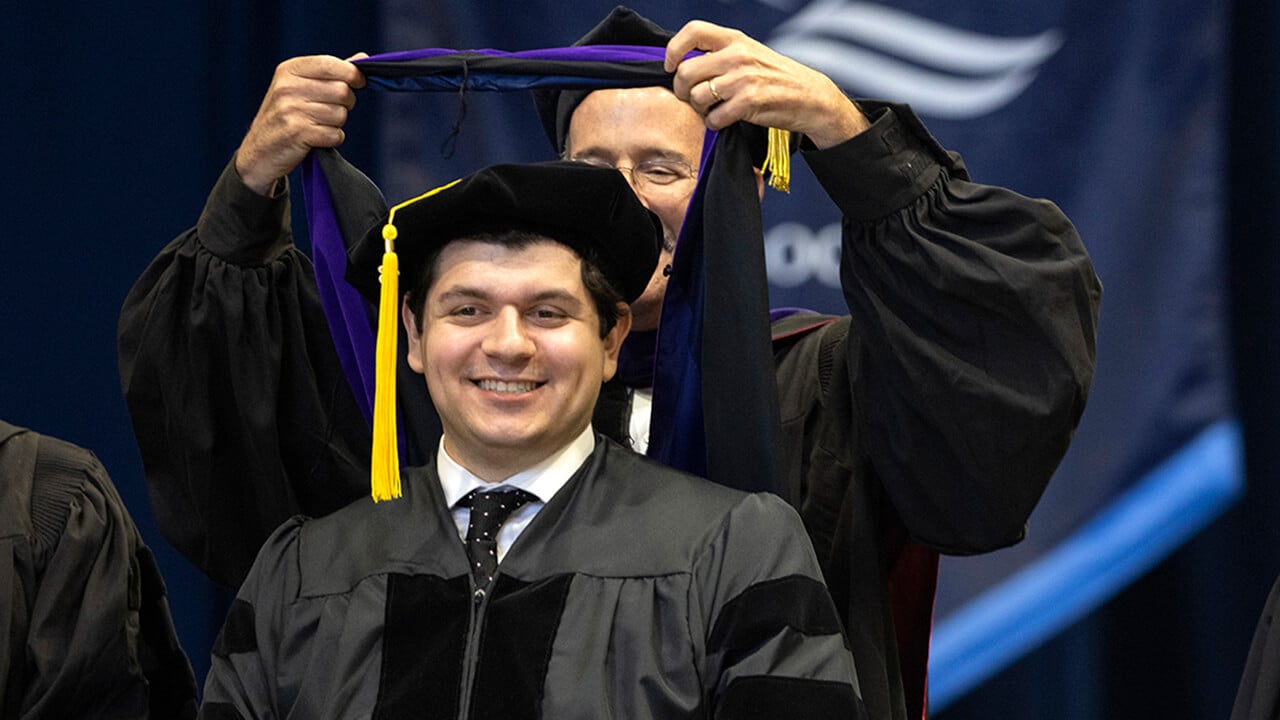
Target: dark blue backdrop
[{"x": 1156, "y": 135}]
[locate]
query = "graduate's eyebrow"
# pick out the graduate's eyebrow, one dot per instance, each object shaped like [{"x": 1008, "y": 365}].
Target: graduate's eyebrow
[
  {"x": 557, "y": 295},
  {"x": 462, "y": 292},
  {"x": 466, "y": 292}
]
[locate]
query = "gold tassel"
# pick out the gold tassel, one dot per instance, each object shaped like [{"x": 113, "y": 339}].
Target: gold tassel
[
  {"x": 385, "y": 467},
  {"x": 777, "y": 161}
]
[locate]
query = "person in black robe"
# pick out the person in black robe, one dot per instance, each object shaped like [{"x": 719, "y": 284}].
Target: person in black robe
[
  {"x": 1258, "y": 697},
  {"x": 927, "y": 421},
  {"x": 618, "y": 587},
  {"x": 85, "y": 624}
]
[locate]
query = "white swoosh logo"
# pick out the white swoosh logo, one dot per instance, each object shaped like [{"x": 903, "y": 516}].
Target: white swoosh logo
[{"x": 877, "y": 51}]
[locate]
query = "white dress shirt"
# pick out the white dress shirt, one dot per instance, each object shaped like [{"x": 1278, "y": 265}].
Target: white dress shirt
[
  {"x": 638, "y": 423},
  {"x": 543, "y": 481}
]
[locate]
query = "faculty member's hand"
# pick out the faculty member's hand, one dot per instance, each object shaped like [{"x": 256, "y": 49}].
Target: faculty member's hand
[
  {"x": 739, "y": 78},
  {"x": 305, "y": 107}
]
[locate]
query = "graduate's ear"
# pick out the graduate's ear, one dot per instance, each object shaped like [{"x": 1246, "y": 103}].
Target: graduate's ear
[
  {"x": 613, "y": 341},
  {"x": 759, "y": 183},
  {"x": 414, "y": 334}
]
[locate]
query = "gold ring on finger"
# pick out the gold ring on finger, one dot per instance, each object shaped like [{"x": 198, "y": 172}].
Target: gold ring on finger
[{"x": 711, "y": 85}]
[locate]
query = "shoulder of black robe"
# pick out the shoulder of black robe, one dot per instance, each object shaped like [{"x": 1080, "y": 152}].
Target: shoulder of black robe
[
  {"x": 1259, "y": 695},
  {"x": 79, "y": 572}
]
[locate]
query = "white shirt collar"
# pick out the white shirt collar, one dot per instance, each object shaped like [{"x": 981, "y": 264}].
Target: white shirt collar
[{"x": 543, "y": 480}]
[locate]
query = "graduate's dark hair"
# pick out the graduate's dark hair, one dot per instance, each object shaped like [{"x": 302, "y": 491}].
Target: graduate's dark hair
[{"x": 608, "y": 301}]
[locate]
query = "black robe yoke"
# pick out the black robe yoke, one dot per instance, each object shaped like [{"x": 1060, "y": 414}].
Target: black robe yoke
[{"x": 637, "y": 592}]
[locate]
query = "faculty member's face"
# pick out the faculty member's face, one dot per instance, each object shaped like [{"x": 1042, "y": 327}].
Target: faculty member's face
[
  {"x": 630, "y": 126},
  {"x": 511, "y": 349}
]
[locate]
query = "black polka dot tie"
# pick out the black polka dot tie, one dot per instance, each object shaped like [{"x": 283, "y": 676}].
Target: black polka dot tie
[{"x": 489, "y": 510}]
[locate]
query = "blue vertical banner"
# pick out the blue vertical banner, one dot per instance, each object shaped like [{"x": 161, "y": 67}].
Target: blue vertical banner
[{"x": 1112, "y": 111}]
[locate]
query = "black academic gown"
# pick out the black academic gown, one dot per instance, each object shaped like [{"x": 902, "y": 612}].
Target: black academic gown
[
  {"x": 85, "y": 629},
  {"x": 1258, "y": 697},
  {"x": 929, "y": 420},
  {"x": 636, "y": 592}
]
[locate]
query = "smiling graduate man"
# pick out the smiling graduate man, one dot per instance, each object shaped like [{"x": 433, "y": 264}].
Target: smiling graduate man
[{"x": 616, "y": 587}]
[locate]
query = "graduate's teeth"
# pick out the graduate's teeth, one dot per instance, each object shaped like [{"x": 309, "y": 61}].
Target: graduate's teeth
[{"x": 506, "y": 387}]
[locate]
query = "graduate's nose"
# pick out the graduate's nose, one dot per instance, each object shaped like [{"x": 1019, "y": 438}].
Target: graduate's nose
[{"x": 508, "y": 337}]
